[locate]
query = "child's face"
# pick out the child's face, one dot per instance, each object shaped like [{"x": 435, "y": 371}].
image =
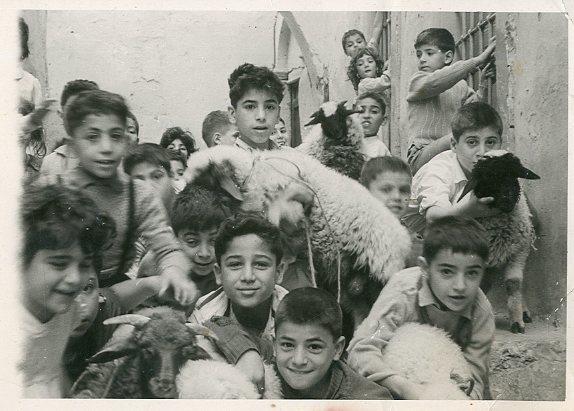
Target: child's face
[
  {"x": 158, "y": 177},
  {"x": 54, "y": 278},
  {"x": 371, "y": 115},
  {"x": 177, "y": 145},
  {"x": 228, "y": 137},
  {"x": 177, "y": 168},
  {"x": 248, "y": 271},
  {"x": 472, "y": 145},
  {"x": 131, "y": 131},
  {"x": 280, "y": 136},
  {"x": 353, "y": 44},
  {"x": 88, "y": 305},
  {"x": 430, "y": 58},
  {"x": 256, "y": 114},
  {"x": 198, "y": 246},
  {"x": 304, "y": 353},
  {"x": 454, "y": 278},
  {"x": 100, "y": 143},
  {"x": 366, "y": 67},
  {"x": 393, "y": 189}
]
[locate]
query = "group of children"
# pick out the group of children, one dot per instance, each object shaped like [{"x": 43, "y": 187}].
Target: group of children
[{"x": 111, "y": 225}]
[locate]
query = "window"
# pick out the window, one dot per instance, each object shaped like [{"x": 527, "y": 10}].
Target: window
[
  {"x": 384, "y": 43},
  {"x": 293, "y": 87},
  {"x": 477, "y": 28}
]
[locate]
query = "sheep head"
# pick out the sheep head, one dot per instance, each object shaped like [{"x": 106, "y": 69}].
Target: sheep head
[
  {"x": 496, "y": 175},
  {"x": 339, "y": 123},
  {"x": 160, "y": 344}
]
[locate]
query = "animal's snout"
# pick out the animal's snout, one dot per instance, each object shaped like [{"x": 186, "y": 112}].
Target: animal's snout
[{"x": 163, "y": 387}]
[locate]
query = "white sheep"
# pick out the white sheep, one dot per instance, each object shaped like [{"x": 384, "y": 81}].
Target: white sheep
[{"x": 424, "y": 354}]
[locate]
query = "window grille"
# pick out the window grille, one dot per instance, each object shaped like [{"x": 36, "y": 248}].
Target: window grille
[
  {"x": 384, "y": 45},
  {"x": 477, "y": 28}
]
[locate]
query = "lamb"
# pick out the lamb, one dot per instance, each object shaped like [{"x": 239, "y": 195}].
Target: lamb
[
  {"x": 339, "y": 143},
  {"x": 424, "y": 354},
  {"x": 355, "y": 242},
  {"x": 511, "y": 233}
]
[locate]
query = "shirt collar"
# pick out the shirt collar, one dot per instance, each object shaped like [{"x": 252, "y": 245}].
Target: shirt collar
[
  {"x": 426, "y": 297},
  {"x": 82, "y": 179},
  {"x": 19, "y": 72},
  {"x": 242, "y": 144},
  {"x": 457, "y": 171}
]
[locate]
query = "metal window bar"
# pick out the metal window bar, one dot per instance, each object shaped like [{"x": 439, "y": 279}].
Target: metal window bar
[
  {"x": 384, "y": 44},
  {"x": 477, "y": 29}
]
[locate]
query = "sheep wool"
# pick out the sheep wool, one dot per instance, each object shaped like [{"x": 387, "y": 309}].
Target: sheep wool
[{"x": 424, "y": 354}]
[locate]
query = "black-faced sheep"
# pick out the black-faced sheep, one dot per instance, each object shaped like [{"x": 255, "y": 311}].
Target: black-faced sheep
[
  {"x": 338, "y": 144},
  {"x": 426, "y": 355},
  {"x": 356, "y": 243},
  {"x": 511, "y": 233}
]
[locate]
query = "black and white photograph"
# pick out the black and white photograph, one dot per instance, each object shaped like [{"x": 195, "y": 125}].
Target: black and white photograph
[{"x": 284, "y": 204}]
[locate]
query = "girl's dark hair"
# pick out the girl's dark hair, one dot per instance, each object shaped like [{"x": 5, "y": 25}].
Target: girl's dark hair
[
  {"x": 24, "y": 36},
  {"x": 379, "y": 165},
  {"x": 352, "y": 71},
  {"x": 247, "y": 77},
  {"x": 147, "y": 153},
  {"x": 309, "y": 305},
  {"x": 54, "y": 217},
  {"x": 350, "y": 33},
  {"x": 244, "y": 224},
  {"x": 458, "y": 234},
  {"x": 177, "y": 133},
  {"x": 94, "y": 102}
]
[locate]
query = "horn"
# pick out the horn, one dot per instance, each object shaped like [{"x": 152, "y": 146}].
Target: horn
[
  {"x": 314, "y": 120},
  {"x": 132, "y": 319},
  {"x": 202, "y": 330},
  {"x": 527, "y": 174}
]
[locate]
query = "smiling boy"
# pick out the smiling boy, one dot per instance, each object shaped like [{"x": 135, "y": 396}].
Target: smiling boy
[
  {"x": 372, "y": 114},
  {"x": 255, "y": 94},
  {"x": 444, "y": 292}
]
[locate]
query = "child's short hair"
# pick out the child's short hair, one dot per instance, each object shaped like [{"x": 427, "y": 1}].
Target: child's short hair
[
  {"x": 440, "y": 38},
  {"x": 309, "y": 305},
  {"x": 247, "y": 77},
  {"x": 352, "y": 71},
  {"x": 244, "y": 224},
  {"x": 136, "y": 122},
  {"x": 197, "y": 209},
  {"x": 147, "y": 153},
  {"x": 378, "y": 97},
  {"x": 94, "y": 102},
  {"x": 75, "y": 87},
  {"x": 177, "y": 156},
  {"x": 378, "y": 165},
  {"x": 24, "y": 35},
  {"x": 459, "y": 234},
  {"x": 55, "y": 216},
  {"x": 474, "y": 116},
  {"x": 350, "y": 33},
  {"x": 215, "y": 122},
  {"x": 177, "y": 133}
]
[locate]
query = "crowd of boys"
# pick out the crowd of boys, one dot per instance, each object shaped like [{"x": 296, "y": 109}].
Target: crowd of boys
[{"x": 110, "y": 225}]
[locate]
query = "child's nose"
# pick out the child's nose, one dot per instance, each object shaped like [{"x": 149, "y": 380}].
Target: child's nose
[
  {"x": 261, "y": 113},
  {"x": 299, "y": 357},
  {"x": 459, "y": 282},
  {"x": 106, "y": 144},
  {"x": 247, "y": 273},
  {"x": 203, "y": 251}
]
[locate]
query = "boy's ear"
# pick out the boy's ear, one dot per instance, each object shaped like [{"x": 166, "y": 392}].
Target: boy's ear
[
  {"x": 448, "y": 57},
  {"x": 339, "y": 347},
  {"x": 423, "y": 264},
  {"x": 216, "y": 138},
  {"x": 280, "y": 270},
  {"x": 231, "y": 112},
  {"x": 453, "y": 142},
  {"x": 217, "y": 273}
]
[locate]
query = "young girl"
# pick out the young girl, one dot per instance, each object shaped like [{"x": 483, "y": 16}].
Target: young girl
[
  {"x": 367, "y": 73},
  {"x": 64, "y": 234},
  {"x": 175, "y": 138}
]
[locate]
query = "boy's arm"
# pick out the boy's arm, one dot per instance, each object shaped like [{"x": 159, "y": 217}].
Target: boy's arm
[
  {"x": 152, "y": 223},
  {"x": 477, "y": 352},
  {"x": 378, "y": 84},
  {"x": 131, "y": 293}
]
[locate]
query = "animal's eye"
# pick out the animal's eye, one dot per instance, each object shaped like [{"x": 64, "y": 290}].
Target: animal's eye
[{"x": 147, "y": 353}]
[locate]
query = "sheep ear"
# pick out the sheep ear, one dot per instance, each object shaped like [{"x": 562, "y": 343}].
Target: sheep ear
[
  {"x": 202, "y": 330},
  {"x": 467, "y": 189},
  {"x": 527, "y": 174},
  {"x": 227, "y": 184}
]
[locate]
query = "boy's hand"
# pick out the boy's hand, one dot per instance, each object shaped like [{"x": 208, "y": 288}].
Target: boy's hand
[
  {"x": 485, "y": 56},
  {"x": 177, "y": 285},
  {"x": 488, "y": 72},
  {"x": 478, "y": 207},
  {"x": 251, "y": 365},
  {"x": 34, "y": 120}
]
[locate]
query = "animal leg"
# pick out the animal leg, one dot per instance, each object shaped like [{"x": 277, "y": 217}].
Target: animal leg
[{"x": 513, "y": 291}]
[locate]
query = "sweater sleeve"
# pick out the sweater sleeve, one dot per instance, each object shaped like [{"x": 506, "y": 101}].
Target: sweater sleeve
[
  {"x": 152, "y": 225},
  {"x": 425, "y": 85},
  {"x": 378, "y": 85},
  {"x": 233, "y": 342}
]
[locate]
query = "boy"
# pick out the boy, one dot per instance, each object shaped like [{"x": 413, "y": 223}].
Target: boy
[
  {"x": 372, "y": 114},
  {"x": 308, "y": 345},
  {"x": 444, "y": 292},
  {"x": 64, "y": 235},
  {"x": 133, "y": 129},
  {"x": 178, "y": 166},
  {"x": 63, "y": 158},
  {"x": 437, "y": 90},
  {"x": 96, "y": 121},
  {"x": 354, "y": 40},
  {"x": 255, "y": 94},
  {"x": 218, "y": 129},
  {"x": 476, "y": 129},
  {"x": 280, "y": 136}
]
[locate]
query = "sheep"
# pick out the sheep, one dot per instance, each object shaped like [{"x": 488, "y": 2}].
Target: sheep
[
  {"x": 142, "y": 361},
  {"x": 511, "y": 232},
  {"x": 339, "y": 143},
  {"x": 356, "y": 243},
  {"x": 424, "y": 354}
]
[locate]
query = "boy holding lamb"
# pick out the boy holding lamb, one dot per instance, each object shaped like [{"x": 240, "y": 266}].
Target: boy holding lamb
[{"x": 443, "y": 292}]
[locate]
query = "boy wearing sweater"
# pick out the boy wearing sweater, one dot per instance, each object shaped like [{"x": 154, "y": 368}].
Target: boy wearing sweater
[
  {"x": 444, "y": 292},
  {"x": 96, "y": 122},
  {"x": 437, "y": 90}
]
